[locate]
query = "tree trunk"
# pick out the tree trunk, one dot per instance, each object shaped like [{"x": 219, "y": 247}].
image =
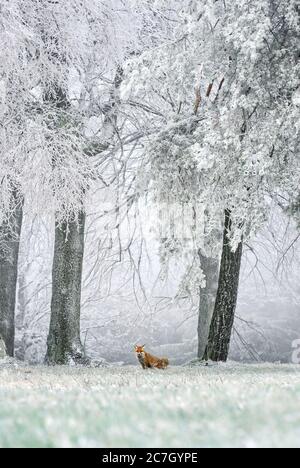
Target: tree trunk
[
  {"x": 9, "y": 255},
  {"x": 64, "y": 343},
  {"x": 210, "y": 267},
  {"x": 226, "y": 300},
  {"x": 20, "y": 318}
]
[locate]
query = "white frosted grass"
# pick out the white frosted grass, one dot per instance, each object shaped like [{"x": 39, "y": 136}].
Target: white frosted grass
[{"x": 223, "y": 406}]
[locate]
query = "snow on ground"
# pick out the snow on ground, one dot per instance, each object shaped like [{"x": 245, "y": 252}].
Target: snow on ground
[{"x": 222, "y": 406}]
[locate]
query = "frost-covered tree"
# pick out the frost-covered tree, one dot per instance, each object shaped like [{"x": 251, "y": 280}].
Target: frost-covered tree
[
  {"x": 61, "y": 56},
  {"x": 11, "y": 214},
  {"x": 264, "y": 88},
  {"x": 230, "y": 74},
  {"x": 11, "y": 166}
]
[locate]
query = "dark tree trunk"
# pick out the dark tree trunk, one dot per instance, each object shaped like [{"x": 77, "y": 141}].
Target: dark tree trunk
[
  {"x": 20, "y": 318},
  {"x": 226, "y": 300},
  {"x": 210, "y": 267},
  {"x": 64, "y": 343},
  {"x": 9, "y": 255}
]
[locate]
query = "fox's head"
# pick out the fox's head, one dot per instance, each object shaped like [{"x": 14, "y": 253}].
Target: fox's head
[{"x": 140, "y": 350}]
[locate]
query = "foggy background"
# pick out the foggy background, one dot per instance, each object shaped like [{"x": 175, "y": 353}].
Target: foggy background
[{"x": 129, "y": 298}]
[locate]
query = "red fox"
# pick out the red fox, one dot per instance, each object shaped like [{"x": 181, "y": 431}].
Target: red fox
[{"x": 148, "y": 361}]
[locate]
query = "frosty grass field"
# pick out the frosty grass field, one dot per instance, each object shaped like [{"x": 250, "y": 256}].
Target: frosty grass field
[{"x": 224, "y": 406}]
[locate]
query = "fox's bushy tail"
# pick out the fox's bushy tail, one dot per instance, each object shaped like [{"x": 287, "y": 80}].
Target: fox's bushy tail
[{"x": 164, "y": 362}]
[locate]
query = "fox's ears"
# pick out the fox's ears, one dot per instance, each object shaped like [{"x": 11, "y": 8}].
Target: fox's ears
[{"x": 136, "y": 347}]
